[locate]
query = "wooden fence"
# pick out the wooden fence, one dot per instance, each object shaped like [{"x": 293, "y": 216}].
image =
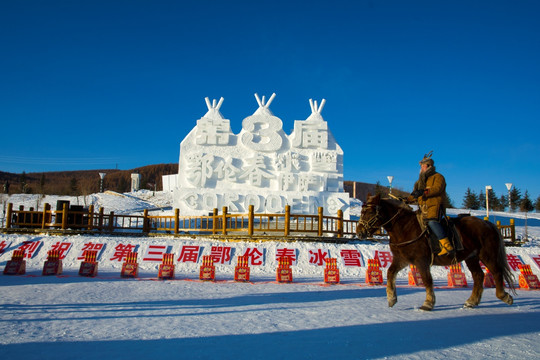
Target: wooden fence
[
  {"x": 250, "y": 224},
  {"x": 508, "y": 233}
]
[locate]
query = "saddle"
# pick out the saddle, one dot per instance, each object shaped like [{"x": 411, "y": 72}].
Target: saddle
[{"x": 449, "y": 225}]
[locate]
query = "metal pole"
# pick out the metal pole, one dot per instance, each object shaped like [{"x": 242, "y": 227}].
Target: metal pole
[
  {"x": 390, "y": 179},
  {"x": 509, "y": 186},
  {"x": 488, "y": 187}
]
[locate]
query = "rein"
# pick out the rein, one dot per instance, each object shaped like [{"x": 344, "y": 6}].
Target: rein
[
  {"x": 406, "y": 242},
  {"x": 392, "y": 218},
  {"x": 410, "y": 241},
  {"x": 370, "y": 223}
]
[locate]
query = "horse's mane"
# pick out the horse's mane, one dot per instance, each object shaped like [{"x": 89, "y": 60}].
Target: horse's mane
[{"x": 398, "y": 204}]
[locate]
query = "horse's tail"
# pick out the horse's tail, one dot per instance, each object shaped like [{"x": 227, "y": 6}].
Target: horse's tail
[{"x": 501, "y": 260}]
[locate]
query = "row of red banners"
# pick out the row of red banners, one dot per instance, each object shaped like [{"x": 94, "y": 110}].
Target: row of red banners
[{"x": 257, "y": 255}]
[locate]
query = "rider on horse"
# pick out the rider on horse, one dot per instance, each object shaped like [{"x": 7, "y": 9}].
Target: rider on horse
[{"x": 429, "y": 191}]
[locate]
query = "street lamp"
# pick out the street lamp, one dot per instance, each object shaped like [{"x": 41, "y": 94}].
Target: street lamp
[
  {"x": 390, "y": 179},
  {"x": 488, "y": 187},
  {"x": 101, "y": 177},
  {"x": 509, "y": 186}
]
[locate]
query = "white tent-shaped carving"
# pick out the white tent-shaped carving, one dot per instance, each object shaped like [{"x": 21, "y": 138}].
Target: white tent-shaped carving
[{"x": 261, "y": 166}]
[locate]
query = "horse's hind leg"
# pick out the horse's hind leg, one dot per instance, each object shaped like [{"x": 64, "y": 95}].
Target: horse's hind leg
[
  {"x": 499, "y": 287},
  {"x": 478, "y": 282},
  {"x": 425, "y": 273},
  {"x": 391, "y": 294},
  {"x": 497, "y": 270},
  {"x": 493, "y": 255}
]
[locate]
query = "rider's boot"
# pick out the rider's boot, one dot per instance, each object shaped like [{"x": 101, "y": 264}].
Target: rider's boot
[{"x": 446, "y": 247}]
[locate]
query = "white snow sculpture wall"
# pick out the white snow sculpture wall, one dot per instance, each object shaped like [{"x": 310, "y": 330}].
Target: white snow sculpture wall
[{"x": 261, "y": 166}]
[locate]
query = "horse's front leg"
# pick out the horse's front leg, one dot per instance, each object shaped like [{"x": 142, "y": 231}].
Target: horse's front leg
[
  {"x": 425, "y": 273},
  {"x": 391, "y": 294}
]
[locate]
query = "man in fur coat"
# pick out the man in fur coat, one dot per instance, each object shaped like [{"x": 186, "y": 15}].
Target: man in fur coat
[{"x": 429, "y": 191}]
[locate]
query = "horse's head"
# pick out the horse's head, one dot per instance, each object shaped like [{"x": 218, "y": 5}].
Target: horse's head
[
  {"x": 377, "y": 213},
  {"x": 370, "y": 217}
]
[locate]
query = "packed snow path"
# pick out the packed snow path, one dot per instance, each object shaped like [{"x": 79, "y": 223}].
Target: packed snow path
[{"x": 70, "y": 317}]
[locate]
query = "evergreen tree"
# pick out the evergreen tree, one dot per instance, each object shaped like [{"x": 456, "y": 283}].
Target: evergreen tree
[
  {"x": 470, "y": 201},
  {"x": 537, "y": 204},
  {"x": 525, "y": 204},
  {"x": 481, "y": 200},
  {"x": 503, "y": 201},
  {"x": 515, "y": 198},
  {"x": 494, "y": 203}
]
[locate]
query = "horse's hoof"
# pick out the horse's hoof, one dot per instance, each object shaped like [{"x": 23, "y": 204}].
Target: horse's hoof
[
  {"x": 392, "y": 302},
  {"x": 508, "y": 299},
  {"x": 427, "y": 306},
  {"x": 470, "y": 305}
]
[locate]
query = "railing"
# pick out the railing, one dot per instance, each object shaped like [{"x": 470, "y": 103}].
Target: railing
[
  {"x": 250, "y": 224},
  {"x": 508, "y": 232}
]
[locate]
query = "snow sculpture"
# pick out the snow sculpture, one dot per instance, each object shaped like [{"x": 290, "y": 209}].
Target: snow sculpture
[{"x": 261, "y": 166}]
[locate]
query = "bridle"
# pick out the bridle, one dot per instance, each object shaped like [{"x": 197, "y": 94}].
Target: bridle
[{"x": 371, "y": 224}]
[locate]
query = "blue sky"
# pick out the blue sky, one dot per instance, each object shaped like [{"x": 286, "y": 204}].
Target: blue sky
[{"x": 105, "y": 84}]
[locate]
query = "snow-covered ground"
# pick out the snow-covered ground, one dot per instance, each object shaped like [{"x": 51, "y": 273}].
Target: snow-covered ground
[{"x": 68, "y": 316}]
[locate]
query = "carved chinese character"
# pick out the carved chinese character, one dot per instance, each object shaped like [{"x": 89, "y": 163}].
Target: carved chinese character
[
  {"x": 199, "y": 169},
  {"x": 256, "y": 171}
]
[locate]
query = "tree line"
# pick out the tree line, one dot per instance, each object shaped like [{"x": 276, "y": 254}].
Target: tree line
[
  {"x": 514, "y": 201},
  {"x": 84, "y": 182},
  {"x": 477, "y": 201}
]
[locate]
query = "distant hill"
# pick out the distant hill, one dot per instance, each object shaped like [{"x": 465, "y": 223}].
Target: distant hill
[
  {"x": 360, "y": 190},
  {"x": 85, "y": 182}
]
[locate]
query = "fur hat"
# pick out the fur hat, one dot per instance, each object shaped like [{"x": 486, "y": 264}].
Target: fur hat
[{"x": 427, "y": 159}]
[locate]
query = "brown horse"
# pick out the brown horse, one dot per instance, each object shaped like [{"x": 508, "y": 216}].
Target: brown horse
[{"x": 410, "y": 245}]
